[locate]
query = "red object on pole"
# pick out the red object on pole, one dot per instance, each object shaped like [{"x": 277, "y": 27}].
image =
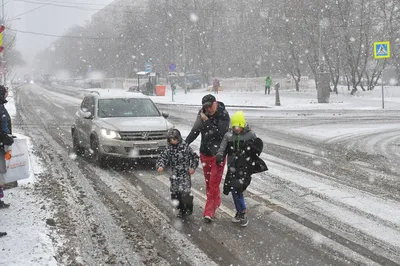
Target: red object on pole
[
  {"x": 160, "y": 90},
  {"x": 2, "y": 28}
]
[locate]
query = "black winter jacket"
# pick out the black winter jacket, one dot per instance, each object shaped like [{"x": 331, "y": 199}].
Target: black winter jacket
[
  {"x": 180, "y": 158},
  {"x": 5, "y": 127},
  {"x": 243, "y": 152},
  {"x": 212, "y": 130}
]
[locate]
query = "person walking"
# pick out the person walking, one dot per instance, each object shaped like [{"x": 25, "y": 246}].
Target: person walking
[
  {"x": 243, "y": 149},
  {"x": 149, "y": 88},
  {"x": 216, "y": 85},
  {"x": 212, "y": 122},
  {"x": 183, "y": 162},
  {"x": 268, "y": 83},
  {"x": 5, "y": 140},
  {"x": 173, "y": 87}
]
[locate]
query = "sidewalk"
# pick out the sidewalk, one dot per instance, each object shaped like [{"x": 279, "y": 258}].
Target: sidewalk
[{"x": 290, "y": 100}]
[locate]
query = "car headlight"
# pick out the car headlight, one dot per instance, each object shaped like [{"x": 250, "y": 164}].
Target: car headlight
[{"x": 110, "y": 134}]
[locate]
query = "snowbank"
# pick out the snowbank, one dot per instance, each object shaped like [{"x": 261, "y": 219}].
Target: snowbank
[{"x": 28, "y": 241}]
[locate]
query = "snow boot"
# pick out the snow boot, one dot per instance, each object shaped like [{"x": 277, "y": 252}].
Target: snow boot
[
  {"x": 244, "y": 221},
  {"x": 236, "y": 219},
  {"x": 4, "y": 205}
]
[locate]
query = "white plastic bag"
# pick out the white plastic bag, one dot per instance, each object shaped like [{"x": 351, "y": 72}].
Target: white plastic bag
[{"x": 18, "y": 165}]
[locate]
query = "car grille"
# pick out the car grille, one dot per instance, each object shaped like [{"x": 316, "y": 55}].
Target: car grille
[
  {"x": 143, "y": 135},
  {"x": 144, "y": 152},
  {"x": 150, "y": 152}
]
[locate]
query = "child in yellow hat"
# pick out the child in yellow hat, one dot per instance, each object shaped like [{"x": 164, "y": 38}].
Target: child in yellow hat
[{"x": 243, "y": 149}]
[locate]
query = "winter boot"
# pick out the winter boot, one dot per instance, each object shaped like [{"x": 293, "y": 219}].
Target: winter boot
[
  {"x": 236, "y": 219},
  {"x": 187, "y": 201},
  {"x": 188, "y": 212},
  {"x": 11, "y": 185},
  {"x": 208, "y": 219},
  {"x": 177, "y": 200},
  {"x": 3, "y": 234},
  {"x": 3, "y": 205},
  {"x": 243, "y": 219},
  {"x": 180, "y": 214}
]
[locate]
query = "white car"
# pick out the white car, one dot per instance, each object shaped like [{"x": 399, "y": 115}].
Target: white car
[{"x": 117, "y": 123}]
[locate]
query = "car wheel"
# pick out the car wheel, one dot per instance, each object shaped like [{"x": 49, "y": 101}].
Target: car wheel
[
  {"x": 76, "y": 144},
  {"x": 97, "y": 157}
]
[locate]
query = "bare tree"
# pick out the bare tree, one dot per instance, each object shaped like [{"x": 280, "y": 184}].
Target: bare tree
[{"x": 220, "y": 38}]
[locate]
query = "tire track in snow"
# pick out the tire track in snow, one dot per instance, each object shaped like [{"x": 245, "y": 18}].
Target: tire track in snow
[
  {"x": 357, "y": 212},
  {"x": 300, "y": 152},
  {"x": 93, "y": 237},
  {"x": 354, "y": 245}
]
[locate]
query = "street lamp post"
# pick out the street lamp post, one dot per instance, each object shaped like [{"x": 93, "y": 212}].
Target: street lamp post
[
  {"x": 2, "y": 9},
  {"x": 2, "y": 54},
  {"x": 319, "y": 48}
]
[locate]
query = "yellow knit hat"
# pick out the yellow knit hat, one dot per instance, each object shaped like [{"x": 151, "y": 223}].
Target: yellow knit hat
[{"x": 238, "y": 119}]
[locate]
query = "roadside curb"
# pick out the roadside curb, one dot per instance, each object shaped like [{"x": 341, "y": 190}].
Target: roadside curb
[{"x": 226, "y": 105}]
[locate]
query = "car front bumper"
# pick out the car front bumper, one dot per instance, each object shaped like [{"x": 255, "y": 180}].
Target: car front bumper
[{"x": 132, "y": 149}]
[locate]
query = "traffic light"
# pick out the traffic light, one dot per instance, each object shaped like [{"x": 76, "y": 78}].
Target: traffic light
[{"x": 2, "y": 28}]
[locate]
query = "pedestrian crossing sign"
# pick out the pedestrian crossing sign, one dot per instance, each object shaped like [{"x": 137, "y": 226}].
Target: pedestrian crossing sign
[{"x": 381, "y": 50}]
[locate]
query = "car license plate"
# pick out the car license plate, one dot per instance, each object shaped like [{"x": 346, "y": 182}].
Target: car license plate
[{"x": 146, "y": 146}]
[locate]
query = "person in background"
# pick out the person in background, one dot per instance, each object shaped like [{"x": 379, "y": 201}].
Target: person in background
[
  {"x": 183, "y": 162},
  {"x": 243, "y": 149},
  {"x": 212, "y": 122},
  {"x": 216, "y": 85},
  {"x": 149, "y": 88},
  {"x": 173, "y": 87},
  {"x": 5, "y": 140},
  {"x": 268, "y": 83}
]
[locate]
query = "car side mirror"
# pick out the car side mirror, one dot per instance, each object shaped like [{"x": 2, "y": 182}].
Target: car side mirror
[
  {"x": 87, "y": 115},
  {"x": 165, "y": 115}
]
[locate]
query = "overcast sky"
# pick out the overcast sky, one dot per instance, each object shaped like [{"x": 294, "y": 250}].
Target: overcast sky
[{"x": 48, "y": 18}]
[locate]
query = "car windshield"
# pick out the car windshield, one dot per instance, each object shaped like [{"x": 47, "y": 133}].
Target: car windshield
[{"x": 130, "y": 107}]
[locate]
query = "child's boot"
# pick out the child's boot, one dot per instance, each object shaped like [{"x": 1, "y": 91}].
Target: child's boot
[
  {"x": 244, "y": 221},
  {"x": 236, "y": 219}
]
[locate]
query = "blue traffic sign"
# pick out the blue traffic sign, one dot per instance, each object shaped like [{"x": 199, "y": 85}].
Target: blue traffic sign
[
  {"x": 147, "y": 67},
  {"x": 381, "y": 50},
  {"x": 172, "y": 67}
]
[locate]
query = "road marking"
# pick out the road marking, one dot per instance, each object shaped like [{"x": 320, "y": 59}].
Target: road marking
[
  {"x": 57, "y": 105},
  {"x": 200, "y": 196}
]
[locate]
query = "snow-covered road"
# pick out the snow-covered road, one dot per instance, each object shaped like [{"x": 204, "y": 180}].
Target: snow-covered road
[{"x": 329, "y": 197}]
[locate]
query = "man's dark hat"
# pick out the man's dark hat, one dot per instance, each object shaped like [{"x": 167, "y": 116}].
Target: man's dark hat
[{"x": 208, "y": 100}]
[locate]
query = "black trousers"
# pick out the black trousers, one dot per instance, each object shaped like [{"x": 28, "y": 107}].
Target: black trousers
[
  {"x": 267, "y": 89},
  {"x": 185, "y": 201}
]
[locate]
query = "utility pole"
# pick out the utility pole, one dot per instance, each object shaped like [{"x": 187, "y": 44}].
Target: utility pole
[
  {"x": 183, "y": 51},
  {"x": 184, "y": 58},
  {"x": 168, "y": 30},
  {"x": 2, "y": 54},
  {"x": 320, "y": 47}
]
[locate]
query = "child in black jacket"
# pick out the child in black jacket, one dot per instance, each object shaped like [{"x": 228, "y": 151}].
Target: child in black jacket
[{"x": 183, "y": 161}]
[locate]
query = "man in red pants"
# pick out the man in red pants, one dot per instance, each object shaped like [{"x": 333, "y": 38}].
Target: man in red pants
[{"x": 212, "y": 122}]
